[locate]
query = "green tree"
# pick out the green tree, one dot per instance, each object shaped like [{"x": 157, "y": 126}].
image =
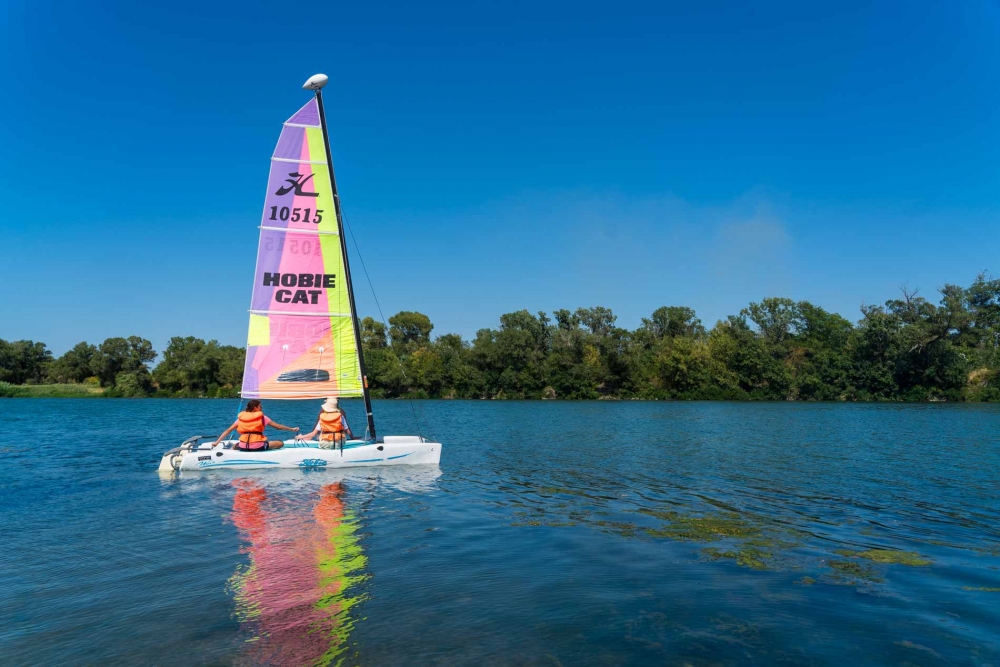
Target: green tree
[
  {"x": 511, "y": 358},
  {"x": 776, "y": 319},
  {"x": 874, "y": 354},
  {"x": 410, "y": 329},
  {"x": 684, "y": 366},
  {"x": 929, "y": 363},
  {"x": 117, "y": 355},
  {"x": 673, "y": 321},
  {"x": 462, "y": 378},
  {"x": 373, "y": 334},
  {"x": 750, "y": 360},
  {"x": 132, "y": 384},
  {"x": 74, "y": 365},
  {"x": 190, "y": 365},
  {"x": 23, "y": 361},
  {"x": 385, "y": 373},
  {"x": 817, "y": 354}
]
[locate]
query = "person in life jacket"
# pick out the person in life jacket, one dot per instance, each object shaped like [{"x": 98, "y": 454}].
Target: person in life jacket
[
  {"x": 250, "y": 425},
  {"x": 331, "y": 427}
]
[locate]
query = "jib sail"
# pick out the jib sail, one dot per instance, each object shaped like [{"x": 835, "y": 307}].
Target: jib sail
[{"x": 301, "y": 341}]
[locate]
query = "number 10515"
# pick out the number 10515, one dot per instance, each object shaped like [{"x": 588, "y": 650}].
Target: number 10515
[{"x": 296, "y": 214}]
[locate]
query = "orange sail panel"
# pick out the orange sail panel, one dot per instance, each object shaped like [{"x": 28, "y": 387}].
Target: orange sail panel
[{"x": 301, "y": 338}]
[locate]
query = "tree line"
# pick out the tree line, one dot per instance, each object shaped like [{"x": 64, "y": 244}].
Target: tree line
[
  {"x": 908, "y": 349},
  {"x": 189, "y": 367}
]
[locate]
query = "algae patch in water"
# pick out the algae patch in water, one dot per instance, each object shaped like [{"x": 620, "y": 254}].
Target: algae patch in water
[
  {"x": 703, "y": 528},
  {"x": 889, "y": 556},
  {"x": 617, "y": 527},
  {"x": 751, "y": 542},
  {"x": 666, "y": 515},
  {"x": 848, "y": 569},
  {"x": 534, "y": 523},
  {"x": 749, "y": 557},
  {"x": 985, "y": 589}
]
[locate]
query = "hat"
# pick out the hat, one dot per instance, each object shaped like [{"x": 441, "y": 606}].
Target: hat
[{"x": 330, "y": 405}]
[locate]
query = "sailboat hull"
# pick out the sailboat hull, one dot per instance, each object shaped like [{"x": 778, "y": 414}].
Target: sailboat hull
[{"x": 394, "y": 451}]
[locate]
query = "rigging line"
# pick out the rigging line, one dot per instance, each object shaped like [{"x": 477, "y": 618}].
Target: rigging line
[
  {"x": 354, "y": 239},
  {"x": 238, "y": 411}
]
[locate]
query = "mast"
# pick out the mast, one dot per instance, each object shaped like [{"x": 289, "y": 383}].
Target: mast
[{"x": 316, "y": 83}]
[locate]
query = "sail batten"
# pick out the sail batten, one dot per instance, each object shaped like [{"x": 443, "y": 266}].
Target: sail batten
[
  {"x": 285, "y": 159},
  {"x": 300, "y": 341},
  {"x": 278, "y": 312}
]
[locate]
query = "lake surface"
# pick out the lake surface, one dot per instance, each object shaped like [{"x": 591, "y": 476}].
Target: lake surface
[{"x": 553, "y": 533}]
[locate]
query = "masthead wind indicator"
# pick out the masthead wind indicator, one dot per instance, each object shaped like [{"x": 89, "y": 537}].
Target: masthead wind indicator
[{"x": 315, "y": 82}]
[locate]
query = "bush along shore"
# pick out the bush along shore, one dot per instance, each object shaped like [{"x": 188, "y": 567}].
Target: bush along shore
[{"x": 909, "y": 349}]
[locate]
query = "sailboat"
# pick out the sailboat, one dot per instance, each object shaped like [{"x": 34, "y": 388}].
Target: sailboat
[{"x": 304, "y": 339}]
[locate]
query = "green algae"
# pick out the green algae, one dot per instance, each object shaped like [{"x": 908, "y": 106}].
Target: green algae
[
  {"x": 534, "y": 523},
  {"x": 887, "y": 556},
  {"x": 911, "y": 558},
  {"x": 748, "y": 557},
  {"x": 562, "y": 491},
  {"x": 749, "y": 541},
  {"x": 665, "y": 515},
  {"x": 985, "y": 589},
  {"x": 988, "y": 550},
  {"x": 617, "y": 528},
  {"x": 707, "y": 528},
  {"x": 849, "y": 569},
  {"x": 806, "y": 581}
]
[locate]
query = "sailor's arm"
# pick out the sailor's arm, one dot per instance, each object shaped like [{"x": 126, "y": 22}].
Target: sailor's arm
[
  {"x": 311, "y": 434},
  {"x": 276, "y": 425},
  {"x": 225, "y": 434}
]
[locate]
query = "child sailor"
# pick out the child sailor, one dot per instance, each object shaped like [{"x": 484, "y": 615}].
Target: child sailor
[{"x": 331, "y": 426}]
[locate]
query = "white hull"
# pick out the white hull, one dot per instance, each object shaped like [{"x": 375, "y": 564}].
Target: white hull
[{"x": 393, "y": 451}]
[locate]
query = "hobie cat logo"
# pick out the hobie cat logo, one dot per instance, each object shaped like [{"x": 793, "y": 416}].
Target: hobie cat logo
[
  {"x": 296, "y": 182},
  {"x": 312, "y": 463}
]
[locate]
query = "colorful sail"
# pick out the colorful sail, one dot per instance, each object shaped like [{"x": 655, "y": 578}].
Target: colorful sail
[{"x": 301, "y": 339}]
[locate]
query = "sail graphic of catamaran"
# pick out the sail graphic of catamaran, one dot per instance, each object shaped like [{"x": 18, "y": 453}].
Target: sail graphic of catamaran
[{"x": 304, "y": 339}]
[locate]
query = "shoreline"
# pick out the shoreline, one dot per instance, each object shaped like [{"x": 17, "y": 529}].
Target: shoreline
[{"x": 92, "y": 392}]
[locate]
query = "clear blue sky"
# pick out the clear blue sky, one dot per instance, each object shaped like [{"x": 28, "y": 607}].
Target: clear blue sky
[{"x": 493, "y": 157}]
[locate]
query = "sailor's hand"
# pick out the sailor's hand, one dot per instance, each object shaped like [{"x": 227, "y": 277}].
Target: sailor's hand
[{"x": 296, "y": 429}]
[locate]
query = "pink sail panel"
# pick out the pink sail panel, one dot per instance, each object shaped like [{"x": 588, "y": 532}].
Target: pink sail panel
[{"x": 301, "y": 340}]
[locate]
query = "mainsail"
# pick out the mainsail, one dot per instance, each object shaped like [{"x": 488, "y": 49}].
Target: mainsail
[{"x": 301, "y": 342}]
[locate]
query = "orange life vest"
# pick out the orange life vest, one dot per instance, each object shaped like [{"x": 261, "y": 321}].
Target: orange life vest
[
  {"x": 332, "y": 425},
  {"x": 251, "y": 428}
]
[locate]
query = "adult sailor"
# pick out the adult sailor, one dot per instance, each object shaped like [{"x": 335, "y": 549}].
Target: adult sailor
[{"x": 250, "y": 425}]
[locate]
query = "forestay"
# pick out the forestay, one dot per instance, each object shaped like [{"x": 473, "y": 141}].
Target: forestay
[{"x": 301, "y": 342}]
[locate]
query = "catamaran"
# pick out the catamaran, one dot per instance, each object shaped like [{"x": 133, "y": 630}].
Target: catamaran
[{"x": 304, "y": 339}]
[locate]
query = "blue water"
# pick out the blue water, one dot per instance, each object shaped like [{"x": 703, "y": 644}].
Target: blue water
[{"x": 552, "y": 534}]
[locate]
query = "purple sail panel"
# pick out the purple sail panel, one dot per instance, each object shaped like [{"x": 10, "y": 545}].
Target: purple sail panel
[
  {"x": 290, "y": 143},
  {"x": 307, "y": 115}
]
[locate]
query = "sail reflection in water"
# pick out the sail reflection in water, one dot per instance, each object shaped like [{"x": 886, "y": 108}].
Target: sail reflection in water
[{"x": 295, "y": 597}]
